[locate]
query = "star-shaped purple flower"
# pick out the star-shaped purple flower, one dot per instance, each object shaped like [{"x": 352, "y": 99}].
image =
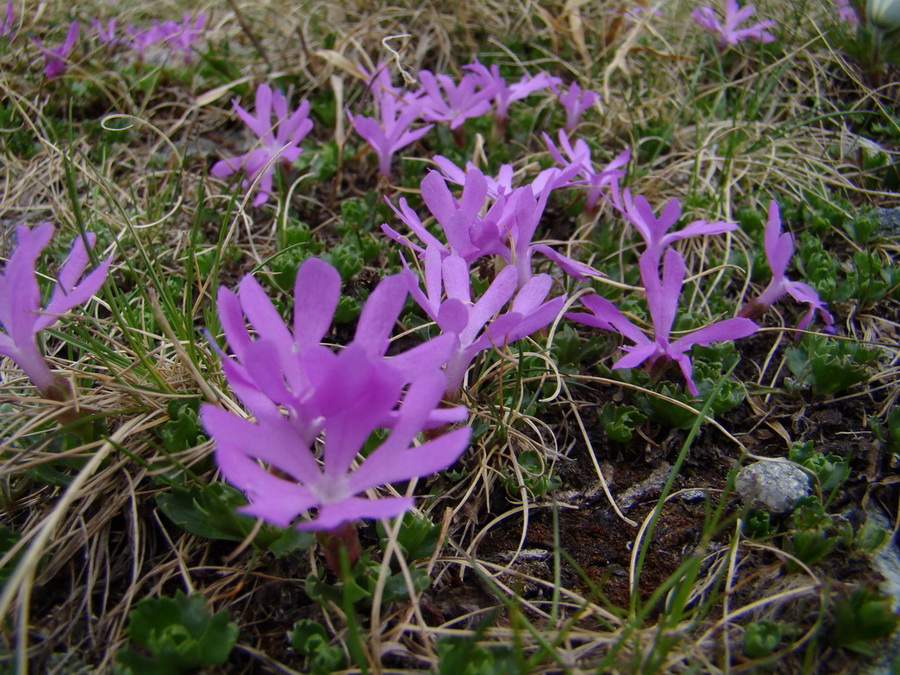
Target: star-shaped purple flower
[
  {"x": 579, "y": 155},
  {"x": 576, "y": 101},
  {"x": 279, "y": 140},
  {"x": 390, "y": 131},
  {"x": 779, "y": 250},
  {"x": 475, "y": 324},
  {"x": 298, "y": 389},
  {"x": 662, "y": 301},
  {"x": 20, "y": 301},
  {"x": 56, "y": 58},
  {"x": 728, "y": 31},
  {"x": 444, "y": 100},
  {"x": 489, "y": 79},
  {"x": 655, "y": 231}
]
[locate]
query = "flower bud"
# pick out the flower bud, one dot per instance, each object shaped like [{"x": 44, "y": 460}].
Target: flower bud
[{"x": 884, "y": 14}]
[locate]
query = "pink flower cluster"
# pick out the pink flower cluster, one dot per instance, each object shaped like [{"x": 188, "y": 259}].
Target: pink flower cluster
[
  {"x": 178, "y": 38},
  {"x": 315, "y": 409},
  {"x": 442, "y": 99}
]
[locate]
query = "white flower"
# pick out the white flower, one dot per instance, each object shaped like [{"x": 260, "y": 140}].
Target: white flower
[{"x": 885, "y": 14}]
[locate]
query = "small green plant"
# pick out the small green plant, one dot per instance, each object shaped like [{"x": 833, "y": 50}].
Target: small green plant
[
  {"x": 758, "y": 524},
  {"x": 869, "y": 537},
  {"x": 347, "y": 310},
  {"x": 183, "y": 430},
  {"x": 888, "y": 432},
  {"x": 829, "y": 366},
  {"x": 537, "y": 477},
  {"x": 819, "y": 268},
  {"x": 208, "y": 511},
  {"x": 462, "y": 655},
  {"x": 815, "y": 534},
  {"x": 418, "y": 537},
  {"x": 871, "y": 278},
  {"x": 320, "y": 159},
  {"x": 762, "y": 638},
  {"x": 179, "y": 633},
  {"x": 310, "y": 639},
  {"x": 862, "y": 229},
  {"x": 346, "y": 259},
  {"x": 861, "y": 617},
  {"x": 620, "y": 421},
  {"x": 831, "y": 470},
  {"x": 359, "y": 588}
]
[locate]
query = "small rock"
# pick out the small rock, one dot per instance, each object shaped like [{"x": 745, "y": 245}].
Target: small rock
[
  {"x": 651, "y": 485},
  {"x": 773, "y": 486},
  {"x": 888, "y": 221}
]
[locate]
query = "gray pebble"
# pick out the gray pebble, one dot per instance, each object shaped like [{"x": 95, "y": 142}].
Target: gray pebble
[{"x": 772, "y": 486}]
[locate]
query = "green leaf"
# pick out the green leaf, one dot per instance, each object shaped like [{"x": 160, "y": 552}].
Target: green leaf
[
  {"x": 308, "y": 636},
  {"x": 395, "y": 586},
  {"x": 810, "y": 546},
  {"x": 620, "y": 421},
  {"x": 180, "y": 634},
  {"x": 830, "y": 366},
  {"x": 207, "y": 511},
  {"x": 762, "y": 638},
  {"x": 8, "y": 538},
  {"x": 290, "y": 541},
  {"x": 417, "y": 537},
  {"x": 800, "y": 452},
  {"x": 861, "y": 617},
  {"x": 893, "y": 425},
  {"x": 870, "y": 537},
  {"x": 758, "y": 524},
  {"x": 183, "y": 430}
]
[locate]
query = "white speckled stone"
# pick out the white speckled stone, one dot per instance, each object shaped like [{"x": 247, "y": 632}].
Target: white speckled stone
[{"x": 772, "y": 486}]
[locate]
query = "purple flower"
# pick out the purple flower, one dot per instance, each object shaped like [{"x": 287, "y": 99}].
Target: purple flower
[
  {"x": 443, "y": 100},
  {"x": 529, "y": 209},
  {"x": 178, "y": 36},
  {"x": 468, "y": 234},
  {"x": 729, "y": 33},
  {"x": 576, "y": 101},
  {"x": 506, "y": 228},
  {"x": 281, "y": 145},
  {"x": 580, "y": 155},
  {"x": 297, "y": 389},
  {"x": 279, "y": 372},
  {"x": 489, "y": 79},
  {"x": 56, "y": 57},
  {"x": 390, "y": 132},
  {"x": 106, "y": 35},
  {"x": 655, "y": 231},
  {"x": 144, "y": 38},
  {"x": 779, "y": 249},
  {"x": 184, "y": 36},
  {"x": 846, "y": 12},
  {"x": 475, "y": 325},
  {"x": 7, "y": 25},
  {"x": 501, "y": 185},
  {"x": 662, "y": 301},
  {"x": 20, "y": 301},
  {"x": 333, "y": 483}
]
